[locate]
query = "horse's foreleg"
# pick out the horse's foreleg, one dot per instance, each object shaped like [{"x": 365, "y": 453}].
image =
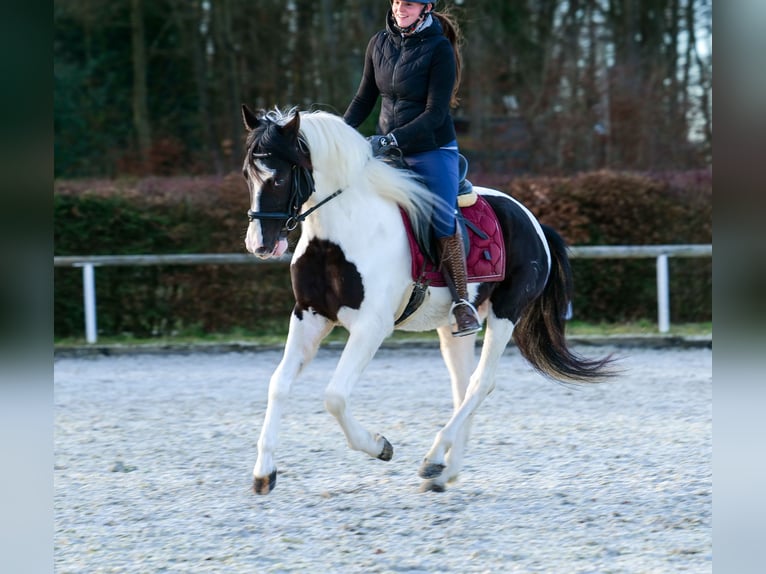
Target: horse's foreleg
[
  {"x": 303, "y": 340},
  {"x": 482, "y": 382},
  {"x": 363, "y": 342},
  {"x": 460, "y": 357}
]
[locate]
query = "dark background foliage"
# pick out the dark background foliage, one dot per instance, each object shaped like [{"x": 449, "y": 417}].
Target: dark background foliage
[{"x": 549, "y": 86}]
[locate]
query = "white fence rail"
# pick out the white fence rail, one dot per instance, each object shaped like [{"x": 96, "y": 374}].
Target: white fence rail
[{"x": 88, "y": 263}]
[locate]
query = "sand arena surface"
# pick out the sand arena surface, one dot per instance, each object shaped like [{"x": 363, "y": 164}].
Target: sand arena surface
[{"x": 153, "y": 456}]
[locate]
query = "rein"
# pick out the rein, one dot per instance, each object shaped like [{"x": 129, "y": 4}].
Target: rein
[{"x": 303, "y": 187}]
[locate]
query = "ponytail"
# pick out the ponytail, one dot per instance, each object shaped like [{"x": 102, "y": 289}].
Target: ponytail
[{"x": 452, "y": 32}]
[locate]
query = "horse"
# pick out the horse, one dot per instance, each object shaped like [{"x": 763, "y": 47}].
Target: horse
[{"x": 351, "y": 267}]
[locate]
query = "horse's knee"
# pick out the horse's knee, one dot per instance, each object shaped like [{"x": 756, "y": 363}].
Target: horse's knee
[
  {"x": 335, "y": 403},
  {"x": 278, "y": 395},
  {"x": 279, "y": 388}
]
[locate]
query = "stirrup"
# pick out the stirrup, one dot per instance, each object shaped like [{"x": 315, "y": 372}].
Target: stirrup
[{"x": 456, "y": 332}]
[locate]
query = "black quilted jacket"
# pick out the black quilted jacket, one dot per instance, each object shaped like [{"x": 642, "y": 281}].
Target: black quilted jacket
[{"x": 414, "y": 76}]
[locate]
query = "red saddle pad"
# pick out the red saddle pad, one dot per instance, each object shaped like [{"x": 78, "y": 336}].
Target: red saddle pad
[{"x": 486, "y": 257}]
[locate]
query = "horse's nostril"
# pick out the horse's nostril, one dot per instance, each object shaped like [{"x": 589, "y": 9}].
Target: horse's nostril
[{"x": 262, "y": 253}]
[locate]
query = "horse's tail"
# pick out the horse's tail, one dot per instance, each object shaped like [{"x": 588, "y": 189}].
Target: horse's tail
[{"x": 540, "y": 331}]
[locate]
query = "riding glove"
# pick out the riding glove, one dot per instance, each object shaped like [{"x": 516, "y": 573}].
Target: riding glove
[{"x": 381, "y": 145}]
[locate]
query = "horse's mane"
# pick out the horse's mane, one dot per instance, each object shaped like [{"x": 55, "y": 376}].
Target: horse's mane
[{"x": 342, "y": 159}]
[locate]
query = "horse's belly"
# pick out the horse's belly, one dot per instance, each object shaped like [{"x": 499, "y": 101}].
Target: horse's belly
[{"x": 433, "y": 313}]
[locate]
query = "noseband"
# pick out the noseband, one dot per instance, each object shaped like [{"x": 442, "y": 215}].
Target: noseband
[{"x": 302, "y": 188}]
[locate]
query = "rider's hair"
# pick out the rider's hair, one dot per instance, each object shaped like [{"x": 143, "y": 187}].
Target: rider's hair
[{"x": 453, "y": 34}]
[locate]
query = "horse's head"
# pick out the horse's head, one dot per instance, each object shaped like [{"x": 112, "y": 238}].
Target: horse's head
[{"x": 277, "y": 169}]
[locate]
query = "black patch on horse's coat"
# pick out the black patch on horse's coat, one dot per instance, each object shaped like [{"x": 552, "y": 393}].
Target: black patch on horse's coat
[
  {"x": 324, "y": 280},
  {"x": 525, "y": 267}
]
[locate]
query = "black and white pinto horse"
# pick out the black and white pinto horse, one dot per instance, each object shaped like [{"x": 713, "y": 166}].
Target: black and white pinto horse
[{"x": 352, "y": 267}]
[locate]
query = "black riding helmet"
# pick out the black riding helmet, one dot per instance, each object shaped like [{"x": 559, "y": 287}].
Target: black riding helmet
[{"x": 432, "y": 2}]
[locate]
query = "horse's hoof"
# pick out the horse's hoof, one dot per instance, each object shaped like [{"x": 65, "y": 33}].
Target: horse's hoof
[
  {"x": 265, "y": 484},
  {"x": 431, "y": 486},
  {"x": 388, "y": 451},
  {"x": 430, "y": 470}
]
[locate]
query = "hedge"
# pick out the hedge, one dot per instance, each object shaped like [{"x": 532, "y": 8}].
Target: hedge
[{"x": 207, "y": 215}]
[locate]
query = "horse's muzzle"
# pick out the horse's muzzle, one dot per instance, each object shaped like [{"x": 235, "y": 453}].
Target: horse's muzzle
[{"x": 265, "y": 252}]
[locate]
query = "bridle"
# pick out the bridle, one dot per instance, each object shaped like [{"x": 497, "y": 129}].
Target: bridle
[{"x": 302, "y": 188}]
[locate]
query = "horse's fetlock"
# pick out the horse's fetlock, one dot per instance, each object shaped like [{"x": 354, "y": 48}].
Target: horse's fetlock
[
  {"x": 444, "y": 439},
  {"x": 334, "y": 403}
]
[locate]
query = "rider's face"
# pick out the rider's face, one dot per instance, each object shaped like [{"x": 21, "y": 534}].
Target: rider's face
[{"x": 406, "y": 13}]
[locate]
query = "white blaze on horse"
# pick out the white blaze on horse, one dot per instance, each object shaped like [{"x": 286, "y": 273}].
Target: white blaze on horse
[{"x": 352, "y": 266}]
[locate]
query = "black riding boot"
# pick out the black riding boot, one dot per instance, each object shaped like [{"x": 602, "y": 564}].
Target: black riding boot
[{"x": 454, "y": 270}]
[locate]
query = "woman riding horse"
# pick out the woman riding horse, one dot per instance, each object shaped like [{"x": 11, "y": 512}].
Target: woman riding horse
[{"x": 414, "y": 65}]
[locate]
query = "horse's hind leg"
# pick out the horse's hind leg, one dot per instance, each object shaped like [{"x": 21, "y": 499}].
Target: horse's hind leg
[
  {"x": 363, "y": 342},
  {"x": 304, "y": 336},
  {"x": 460, "y": 358},
  {"x": 498, "y": 333}
]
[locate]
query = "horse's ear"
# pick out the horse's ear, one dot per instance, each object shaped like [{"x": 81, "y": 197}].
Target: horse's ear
[
  {"x": 250, "y": 119},
  {"x": 292, "y": 127}
]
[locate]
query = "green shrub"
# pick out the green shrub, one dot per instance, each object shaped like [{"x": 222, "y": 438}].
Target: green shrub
[
  {"x": 608, "y": 208},
  {"x": 207, "y": 215}
]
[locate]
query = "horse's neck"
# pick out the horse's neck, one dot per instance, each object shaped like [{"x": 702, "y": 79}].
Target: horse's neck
[{"x": 352, "y": 217}]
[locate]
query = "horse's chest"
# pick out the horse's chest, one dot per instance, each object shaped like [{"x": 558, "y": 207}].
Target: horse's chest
[{"x": 324, "y": 280}]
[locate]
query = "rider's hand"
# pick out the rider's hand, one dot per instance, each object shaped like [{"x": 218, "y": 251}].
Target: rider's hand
[{"x": 381, "y": 145}]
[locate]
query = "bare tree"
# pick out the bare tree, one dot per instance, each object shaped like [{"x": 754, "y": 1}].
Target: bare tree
[{"x": 141, "y": 121}]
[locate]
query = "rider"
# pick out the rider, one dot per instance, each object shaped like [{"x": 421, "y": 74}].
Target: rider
[{"x": 414, "y": 65}]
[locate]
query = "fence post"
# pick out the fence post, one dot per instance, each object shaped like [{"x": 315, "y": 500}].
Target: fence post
[
  {"x": 663, "y": 294},
  {"x": 89, "y": 300}
]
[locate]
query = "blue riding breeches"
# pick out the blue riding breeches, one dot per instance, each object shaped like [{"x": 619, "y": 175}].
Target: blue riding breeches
[{"x": 439, "y": 171}]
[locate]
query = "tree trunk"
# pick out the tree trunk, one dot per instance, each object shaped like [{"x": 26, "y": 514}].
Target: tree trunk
[
  {"x": 625, "y": 85},
  {"x": 141, "y": 122}
]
